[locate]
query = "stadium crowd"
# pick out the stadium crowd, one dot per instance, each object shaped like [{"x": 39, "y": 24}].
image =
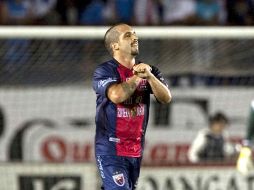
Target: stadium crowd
[{"x": 142, "y": 12}]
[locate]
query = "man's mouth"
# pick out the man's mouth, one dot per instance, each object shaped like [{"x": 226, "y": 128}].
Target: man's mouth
[{"x": 134, "y": 43}]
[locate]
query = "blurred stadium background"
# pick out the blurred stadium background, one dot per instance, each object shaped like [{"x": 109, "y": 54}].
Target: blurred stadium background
[{"x": 47, "y": 105}]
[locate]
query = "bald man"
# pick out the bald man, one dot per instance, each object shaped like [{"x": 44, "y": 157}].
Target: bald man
[{"x": 123, "y": 87}]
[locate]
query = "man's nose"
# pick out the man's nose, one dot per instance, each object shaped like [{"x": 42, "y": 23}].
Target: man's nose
[
  {"x": 135, "y": 40},
  {"x": 134, "y": 37}
]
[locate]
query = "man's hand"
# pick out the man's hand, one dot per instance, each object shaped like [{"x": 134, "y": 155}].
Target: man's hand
[{"x": 142, "y": 70}]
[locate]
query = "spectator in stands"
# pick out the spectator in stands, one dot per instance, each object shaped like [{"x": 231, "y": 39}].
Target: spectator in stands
[
  {"x": 240, "y": 12},
  {"x": 212, "y": 144},
  {"x": 119, "y": 11},
  {"x": 91, "y": 12},
  {"x": 3, "y": 13},
  {"x": 67, "y": 12},
  {"x": 178, "y": 12},
  {"x": 44, "y": 12},
  {"x": 207, "y": 12},
  {"x": 124, "y": 10},
  {"x": 148, "y": 12},
  {"x": 15, "y": 12}
]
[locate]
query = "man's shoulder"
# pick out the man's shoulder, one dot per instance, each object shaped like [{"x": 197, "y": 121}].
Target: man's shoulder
[
  {"x": 204, "y": 131},
  {"x": 107, "y": 64},
  {"x": 105, "y": 67}
]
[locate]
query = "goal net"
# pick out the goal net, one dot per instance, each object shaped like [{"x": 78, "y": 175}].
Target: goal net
[{"x": 47, "y": 105}]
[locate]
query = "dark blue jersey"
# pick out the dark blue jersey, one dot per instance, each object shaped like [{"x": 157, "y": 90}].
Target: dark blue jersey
[{"x": 120, "y": 128}]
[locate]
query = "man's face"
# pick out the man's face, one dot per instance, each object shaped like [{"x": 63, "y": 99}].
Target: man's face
[
  {"x": 218, "y": 127},
  {"x": 128, "y": 40}
]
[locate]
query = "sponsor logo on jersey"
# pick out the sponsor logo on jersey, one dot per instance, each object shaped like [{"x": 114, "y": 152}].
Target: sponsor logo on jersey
[
  {"x": 102, "y": 83},
  {"x": 99, "y": 160},
  {"x": 113, "y": 139},
  {"x": 133, "y": 100},
  {"x": 119, "y": 179},
  {"x": 142, "y": 85},
  {"x": 130, "y": 112}
]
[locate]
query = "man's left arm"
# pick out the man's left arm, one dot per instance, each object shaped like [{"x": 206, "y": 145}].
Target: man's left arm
[{"x": 159, "y": 89}]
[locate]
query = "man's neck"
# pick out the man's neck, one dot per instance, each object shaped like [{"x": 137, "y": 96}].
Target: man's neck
[{"x": 128, "y": 62}]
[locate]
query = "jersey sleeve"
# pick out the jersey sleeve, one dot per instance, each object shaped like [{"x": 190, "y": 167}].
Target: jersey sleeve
[
  {"x": 158, "y": 75},
  {"x": 103, "y": 77},
  {"x": 156, "y": 72}
]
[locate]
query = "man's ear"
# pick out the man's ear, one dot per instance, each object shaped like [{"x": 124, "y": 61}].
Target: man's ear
[{"x": 115, "y": 46}]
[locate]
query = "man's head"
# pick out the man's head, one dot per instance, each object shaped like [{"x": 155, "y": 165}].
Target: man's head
[
  {"x": 218, "y": 122},
  {"x": 121, "y": 38}
]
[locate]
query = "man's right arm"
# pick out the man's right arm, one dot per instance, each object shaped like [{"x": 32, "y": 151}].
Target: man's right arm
[
  {"x": 196, "y": 147},
  {"x": 119, "y": 92}
]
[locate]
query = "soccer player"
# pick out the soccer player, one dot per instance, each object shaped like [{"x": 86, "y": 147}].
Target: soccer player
[
  {"x": 245, "y": 161},
  {"x": 123, "y": 87}
]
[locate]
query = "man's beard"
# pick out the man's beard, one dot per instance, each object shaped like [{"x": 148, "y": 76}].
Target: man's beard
[{"x": 135, "y": 52}]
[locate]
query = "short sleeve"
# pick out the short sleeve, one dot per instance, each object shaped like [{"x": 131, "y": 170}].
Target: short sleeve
[
  {"x": 103, "y": 77},
  {"x": 156, "y": 72}
]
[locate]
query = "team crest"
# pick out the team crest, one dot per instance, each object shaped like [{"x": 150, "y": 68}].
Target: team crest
[{"x": 119, "y": 179}]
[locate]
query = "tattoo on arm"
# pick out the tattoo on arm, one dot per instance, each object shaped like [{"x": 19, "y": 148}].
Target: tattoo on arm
[{"x": 128, "y": 88}]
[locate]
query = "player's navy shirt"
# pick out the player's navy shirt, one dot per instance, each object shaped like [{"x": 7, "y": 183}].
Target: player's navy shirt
[{"x": 120, "y": 128}]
